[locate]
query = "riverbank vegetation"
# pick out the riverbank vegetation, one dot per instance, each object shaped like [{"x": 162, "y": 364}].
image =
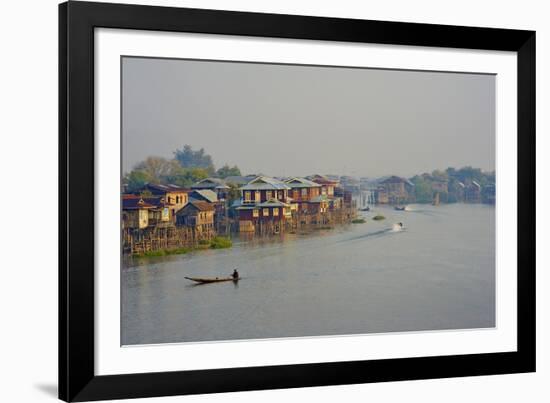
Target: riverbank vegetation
[
  {"x": 217, "y": 242},
  {"x": 455, "y": 179},
  {"x": 358, "y": 221},
  {"x": 220, "y": 242},
  {"x": 378, "y": 217}
]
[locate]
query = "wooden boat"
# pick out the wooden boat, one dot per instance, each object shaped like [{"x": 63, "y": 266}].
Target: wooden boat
[
  {"x": 204, "y": 280},
  {"x": 400, "y": 208},
  {"x": 365, "y": 209}
]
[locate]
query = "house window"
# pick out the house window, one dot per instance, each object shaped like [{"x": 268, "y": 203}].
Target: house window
[
  {"x": 266, "y": 212},
  {"x": 255, "y": 213},
  {"x": 247, "y": 196},
  {"x": 281, "y": 193},
  {"x": 275, "y": 212},
  {"x": 304, "y": 192},
  {"x": 268, "y": 194},
  {"x": 257, "y": 196}
]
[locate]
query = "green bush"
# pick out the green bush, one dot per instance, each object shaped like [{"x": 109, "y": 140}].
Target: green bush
[
  {"x": 358, "y": 221},
  {"x": 164, "y": 252},
  {"x": 378, "y": 217},
  {"x": 220, "y": 242}
]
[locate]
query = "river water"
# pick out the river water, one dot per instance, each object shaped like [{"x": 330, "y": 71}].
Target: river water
[{"x": 437, "y": 273}]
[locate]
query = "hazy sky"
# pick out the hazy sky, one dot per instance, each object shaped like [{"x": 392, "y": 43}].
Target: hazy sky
[{"x": 297, "y": 120}]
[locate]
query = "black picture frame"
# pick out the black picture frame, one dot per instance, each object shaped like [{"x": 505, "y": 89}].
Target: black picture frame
[{"x": 77, "y": 379}]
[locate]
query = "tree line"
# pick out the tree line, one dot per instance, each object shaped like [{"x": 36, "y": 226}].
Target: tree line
[
  {"x": 423, "y": 183},
  {"x": 187, "y": 167}
]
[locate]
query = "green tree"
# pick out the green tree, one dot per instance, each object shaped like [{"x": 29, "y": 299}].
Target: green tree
[
  {"x": 135, "y": 180},
  {"x": 422, "y": 189},
  {"x": 157, "y": 168},
  {"x": 233, "y": 194},
  {"x": 226, "y": 171},
  {"x": 188, "y": 158},
  {"x": 186, "y": 177}
]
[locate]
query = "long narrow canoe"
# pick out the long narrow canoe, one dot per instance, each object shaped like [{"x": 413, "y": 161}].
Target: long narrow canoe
[{"x": 211, "y": 279}]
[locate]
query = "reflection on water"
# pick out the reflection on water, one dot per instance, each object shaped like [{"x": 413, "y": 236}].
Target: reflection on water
[{"x": 437, "y": 272}]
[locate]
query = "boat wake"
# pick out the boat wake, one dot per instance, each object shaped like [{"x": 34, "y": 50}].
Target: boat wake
[{"x": 398, "y": 227}]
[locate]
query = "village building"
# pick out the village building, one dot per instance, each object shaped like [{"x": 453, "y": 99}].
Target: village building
[
  {"x": 318, "y": 205},
  {"x": 472, "y": 192},
  {"x": 265, "y": 202},
  {"x": 381, "y": 195},
  {"x": 345, "y": 195},
  {"x": 216, "y": 185},
  {"x": 488, "y": 194},
  {"x": 328, "y": 186},
  {"x": 205, "y": 195},
  {"x": 456, "y": 189},
  {"x": 302, "y": 191},
  {"x": 269, "y": 214},
  {"x": 209, "y": 196},
  {"x": 395, "y": 190},
  {"x": 262, "y": 189},
  {"x": 198, "y": 215},
  {"x": 135, "y": 213},
  {"x": 174, "y": 195},
  {"x": 157, "y": 208},
  {"x": 440, "y": 185},
  {"x": 350, "y": 184}
]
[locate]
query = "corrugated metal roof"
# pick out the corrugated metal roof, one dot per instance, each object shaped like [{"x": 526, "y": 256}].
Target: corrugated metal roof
[
  {"x": 301, "y": 183},
  {"x": 196, "y": 205},
  {"x": 204, "y": 194},
  {"x": 272, "y": 203},
  {"x": 265, "y": 183},
  {"x": 210, "y": 183},
  {"x": 323, "y": 180},
  {"x": 240, "y": 180}
]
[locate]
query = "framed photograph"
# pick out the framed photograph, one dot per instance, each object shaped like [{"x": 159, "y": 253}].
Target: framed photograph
[{"x": 258, "y": 201}]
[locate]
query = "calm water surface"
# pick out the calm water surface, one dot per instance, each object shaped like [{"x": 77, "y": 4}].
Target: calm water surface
[{"x": 437, "y": 273}]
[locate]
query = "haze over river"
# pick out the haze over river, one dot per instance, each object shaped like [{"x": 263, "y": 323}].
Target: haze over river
[{"x": 437, "y": 273}]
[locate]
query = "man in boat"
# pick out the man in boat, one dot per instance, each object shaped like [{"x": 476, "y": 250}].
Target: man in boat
[{"x": 235, "y": 275}]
